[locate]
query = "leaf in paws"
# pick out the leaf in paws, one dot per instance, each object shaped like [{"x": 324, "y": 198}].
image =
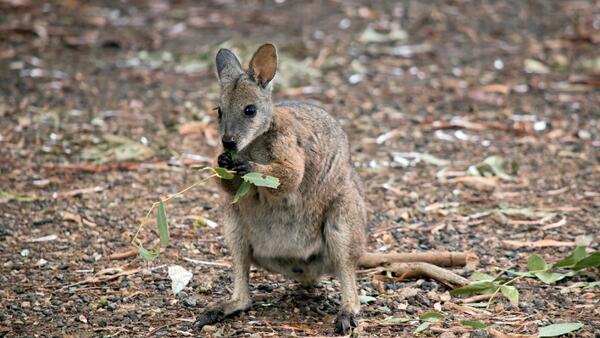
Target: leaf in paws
[
  {"x": 242, "y": 190},
  {"x": 223, "y": 173},
  {"x": 261, "y": 180}
]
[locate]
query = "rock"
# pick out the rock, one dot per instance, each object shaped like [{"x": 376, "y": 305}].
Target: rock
[
  {"x": 479, "y": 334},
  {"x": 209, "y": 328}
]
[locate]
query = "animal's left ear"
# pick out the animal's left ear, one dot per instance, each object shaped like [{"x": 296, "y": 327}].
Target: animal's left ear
[{"x": 263, "y": 64}]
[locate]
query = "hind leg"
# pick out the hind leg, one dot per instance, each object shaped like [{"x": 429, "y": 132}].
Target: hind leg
[
  {"x": 240, "y": 299},
  {"x": 345, "y": 239}
]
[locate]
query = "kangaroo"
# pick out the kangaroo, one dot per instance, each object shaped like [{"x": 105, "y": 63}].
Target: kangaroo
[{"x": 314, "y": 223}]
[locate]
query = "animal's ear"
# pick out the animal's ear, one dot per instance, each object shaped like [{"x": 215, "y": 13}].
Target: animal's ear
[
  {"x": 263, "y": 64},
  {"x": 228, "y": 65}
]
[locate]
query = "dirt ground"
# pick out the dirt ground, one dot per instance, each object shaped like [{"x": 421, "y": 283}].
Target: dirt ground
[{"x": 459, "y": 80}]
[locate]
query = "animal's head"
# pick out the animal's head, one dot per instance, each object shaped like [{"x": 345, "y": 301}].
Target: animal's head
[{"x": 246, "y": 109}]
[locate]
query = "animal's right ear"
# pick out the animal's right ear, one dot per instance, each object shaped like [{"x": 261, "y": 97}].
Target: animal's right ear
[{"x": 228, "y": 65}]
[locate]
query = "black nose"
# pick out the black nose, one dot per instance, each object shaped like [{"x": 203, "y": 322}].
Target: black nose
[{"x": 229, "y": 143}]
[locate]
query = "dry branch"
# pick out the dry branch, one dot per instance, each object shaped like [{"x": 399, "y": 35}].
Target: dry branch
[
  {"x": 421, "y": 269},
  {"x": 440, "y": 258}
]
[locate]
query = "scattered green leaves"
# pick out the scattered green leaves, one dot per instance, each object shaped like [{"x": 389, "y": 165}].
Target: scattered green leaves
[
  {"x": 537, "y": 268},
  {"x": 429, "y": 318},
  {"x": 116, "y": 148},
  {"x": 556, "y": 330}
]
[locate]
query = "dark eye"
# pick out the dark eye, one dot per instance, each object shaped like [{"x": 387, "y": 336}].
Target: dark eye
[
  {"x": 250, "y": 110},
  {"x": 220, "y": 112}
]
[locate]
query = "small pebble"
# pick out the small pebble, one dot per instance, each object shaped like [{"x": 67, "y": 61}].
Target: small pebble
[{"x": 189, "y": 302}]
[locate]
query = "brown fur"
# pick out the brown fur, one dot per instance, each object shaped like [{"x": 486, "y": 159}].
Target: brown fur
[{"x": 314, "y": 223}]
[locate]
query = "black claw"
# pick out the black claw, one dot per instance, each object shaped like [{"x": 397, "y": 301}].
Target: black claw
[
  {"x": 241, "y": 167},
  {"x": 210, "y": 316},
  {"x": 344, "y": 322},
  {"x": 225, "y": 161}
]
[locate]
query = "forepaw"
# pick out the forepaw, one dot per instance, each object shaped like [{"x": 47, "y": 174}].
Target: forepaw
[
  {"x": 344, "y": 322},
  {"x": 210, "y": 316}
]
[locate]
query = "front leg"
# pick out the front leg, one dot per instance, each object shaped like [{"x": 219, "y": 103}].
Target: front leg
[
  {"x": 240, "y": 299},
  {"x": 288, "y": 166}
]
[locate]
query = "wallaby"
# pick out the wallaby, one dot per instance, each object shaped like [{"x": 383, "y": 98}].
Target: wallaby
[{"x": 314, "y": 223}]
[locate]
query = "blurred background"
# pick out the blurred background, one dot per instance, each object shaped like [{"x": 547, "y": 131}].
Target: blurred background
[{"x": 105, "y": 106}]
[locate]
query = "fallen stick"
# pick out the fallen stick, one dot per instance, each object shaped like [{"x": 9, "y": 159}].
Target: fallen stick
[
  {"x": 476, "y": 298},
  {"x": 123, "y": 254},
  {"x": 439, "y": 258},
  {"x": 421, "y": 269}
]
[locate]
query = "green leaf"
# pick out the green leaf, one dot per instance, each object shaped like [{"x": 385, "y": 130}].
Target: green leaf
[
  {"x": 474, "y": 324},
  {"x": 431, "y": 315},
  {"x": 261, "y": 180},
  {"x": 477, "y": 305},
  {"x": 242, "y": 190},
  {"x": 163, "y": 227},
  {"x": 549, "y": 277},
  {"x": 424, "y": 326},
  {"x": 591, "y": 261},
  {"x": 511, "y": 293},
  {"x": 475, "y": 287},
  {"x": 584, "y": 285},
  {"x": 555, "y": 330},
  {"x": 536, "y": 263},
  {"x": 147, "y": 254},
  {"x": 223, "y": 173},
  {"x": 522, "y": 274},
  {"x": 15, "y": 196},
  {"x": 484, "y": 277},
  {"x": 394, "y": 320},
  {"x": 577, "y": 255}
]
